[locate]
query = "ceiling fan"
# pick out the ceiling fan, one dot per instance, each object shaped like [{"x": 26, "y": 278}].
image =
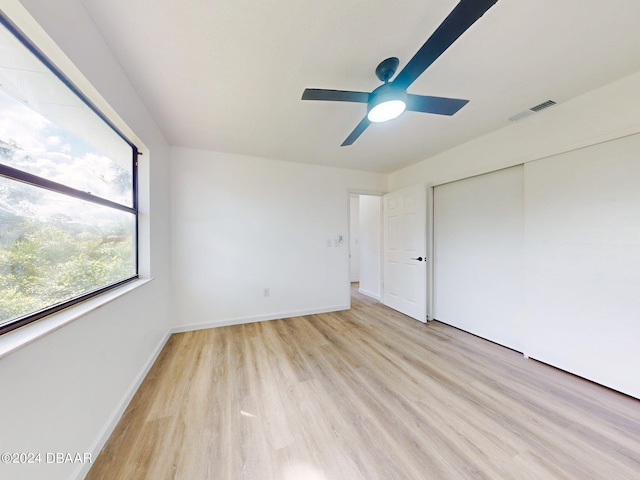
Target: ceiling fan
[{"x": 390, "y": 99}]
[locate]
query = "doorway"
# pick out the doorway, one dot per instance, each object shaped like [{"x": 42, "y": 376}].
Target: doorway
[{"x": 365, "y": 243}]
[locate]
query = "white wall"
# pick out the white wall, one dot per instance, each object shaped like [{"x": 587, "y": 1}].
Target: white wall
[
  {"x": 354, "y": 238},
  {"x": 63, "y": 392},
  {"x": 242, "y": 224},
  {"x": 370, "y": 236},
  {"x": 581, "y": 227}
]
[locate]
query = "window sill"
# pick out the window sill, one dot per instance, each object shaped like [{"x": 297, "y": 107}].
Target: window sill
[{"x": 12, "y": 341}]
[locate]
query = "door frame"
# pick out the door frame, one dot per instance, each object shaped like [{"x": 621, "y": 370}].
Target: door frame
[
  {"x": 430, "y": 237},
  {"x": 430, "y": 249}
]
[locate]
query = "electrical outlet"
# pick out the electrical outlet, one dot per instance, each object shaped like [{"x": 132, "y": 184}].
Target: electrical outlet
[{"x": 266, "y": 292}]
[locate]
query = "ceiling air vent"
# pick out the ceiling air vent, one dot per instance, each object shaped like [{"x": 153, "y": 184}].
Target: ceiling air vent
[
  {"x": 543, "y": 105},
  {"x": 532, "y": 110}
]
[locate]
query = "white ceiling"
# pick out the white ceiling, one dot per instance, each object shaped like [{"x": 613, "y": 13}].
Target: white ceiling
[{"x": 227, "y": 75}]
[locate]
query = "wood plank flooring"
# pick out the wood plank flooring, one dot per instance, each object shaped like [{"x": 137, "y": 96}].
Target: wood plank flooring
[{"x": 365, "y": 394}]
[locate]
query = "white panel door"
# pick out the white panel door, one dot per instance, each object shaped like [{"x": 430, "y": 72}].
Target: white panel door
[
  {"x": 405, "y": 249},
  {"x": 479, "y": 255}
]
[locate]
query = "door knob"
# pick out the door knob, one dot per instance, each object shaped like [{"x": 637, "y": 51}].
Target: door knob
[{"x": 419, "y": 259}]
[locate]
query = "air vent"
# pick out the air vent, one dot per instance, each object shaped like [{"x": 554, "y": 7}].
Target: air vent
[
  {"x": 543, "y": 105},
  {"x": 532, "y": 110}
]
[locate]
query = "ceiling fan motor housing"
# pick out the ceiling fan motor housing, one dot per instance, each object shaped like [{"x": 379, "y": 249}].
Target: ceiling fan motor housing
[{"x": 387, "y": 68}]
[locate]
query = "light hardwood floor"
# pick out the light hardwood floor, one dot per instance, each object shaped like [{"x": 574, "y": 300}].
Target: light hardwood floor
[{"x": 365, "y": 394}]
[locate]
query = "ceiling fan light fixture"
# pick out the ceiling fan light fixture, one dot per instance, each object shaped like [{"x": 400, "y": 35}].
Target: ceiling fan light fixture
[
  {"x": 386, "y": 103},
  {"x": 386, "y": 111}
]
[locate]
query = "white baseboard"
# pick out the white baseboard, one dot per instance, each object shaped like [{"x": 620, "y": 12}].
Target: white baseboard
[
  {"x": 107, "y": 430},
  {"x": 256, "y": 318},
  {"x": 369, "y": 294}
]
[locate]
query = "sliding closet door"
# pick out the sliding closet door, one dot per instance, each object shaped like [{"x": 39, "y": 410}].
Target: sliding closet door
[
  {"x": 479, "y": 255},
  {"x": 583, "y": 262}
]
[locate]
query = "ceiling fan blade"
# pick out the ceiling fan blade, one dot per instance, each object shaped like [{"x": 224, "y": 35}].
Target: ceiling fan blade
[
  {"x": 459, "y": 20},
  {"x": 335, "y": 95},
  {"x": 353, "y": 136},
  {"x": 437, "y": 105}
]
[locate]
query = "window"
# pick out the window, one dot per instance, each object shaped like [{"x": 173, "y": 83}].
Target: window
[{"x": 68, "y": 205}]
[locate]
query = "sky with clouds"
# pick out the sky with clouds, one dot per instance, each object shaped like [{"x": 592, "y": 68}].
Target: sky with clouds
[
  {"x": 42, "y": 148},
  {"x": 46, "y": 150}
]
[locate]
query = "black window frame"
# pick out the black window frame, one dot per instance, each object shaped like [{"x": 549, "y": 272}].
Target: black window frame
[{"x": 40, "y": 182}]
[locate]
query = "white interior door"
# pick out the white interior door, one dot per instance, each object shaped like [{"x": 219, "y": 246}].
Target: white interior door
[{"x": 405, "y": 250}]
